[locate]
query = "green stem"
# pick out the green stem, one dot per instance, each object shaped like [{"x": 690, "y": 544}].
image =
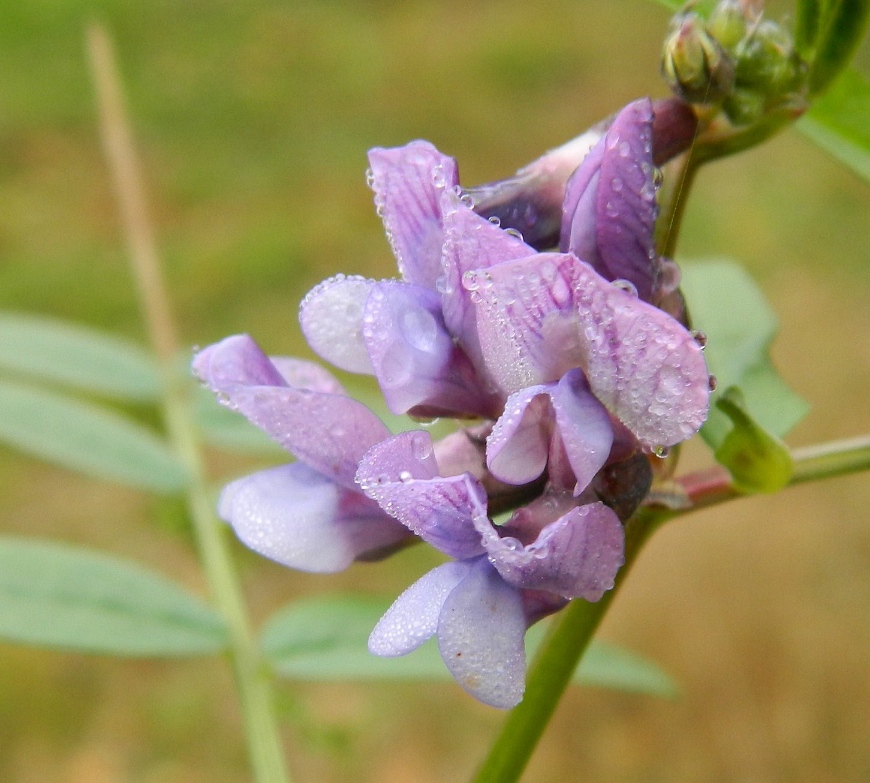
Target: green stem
[
  {"x": 252, "y": 677},
  {"x": 551, "y": 670},
  {"x": 570, "y": 634}
]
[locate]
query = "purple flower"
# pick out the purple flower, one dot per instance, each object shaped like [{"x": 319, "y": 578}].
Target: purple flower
[
  {"x": 504, "y": 579},
  {"x": 308, "y": 515},
  {"x": 574, "y": 371}
]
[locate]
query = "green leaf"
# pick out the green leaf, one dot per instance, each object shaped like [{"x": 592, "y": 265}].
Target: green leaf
[
  {"x": 757, "y": 460},
  {"x": 841, "y": 27},
  {"x": 86, "y": 359},
  {"x": 228, "y": 429},
  {"x": 729, "y": 308},
  {"x": 84, "y": 437},
  {"x": 839, "y": 122},
  {"x": 325, "y": 638},
  {"x": 54, "y": 595},
  {"x": 806, "y": 25}
]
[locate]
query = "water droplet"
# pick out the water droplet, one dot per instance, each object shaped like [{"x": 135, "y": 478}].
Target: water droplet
[
  {"x": 405, "y": 476},
  {"x": 495, "y": 220},
  {"x": 657, "y": 177},
  {"x": 422, "y": 446},
  {"x": 470, "y": 281},
  {"x": 383, "y": 479},
  {"x": 370, "y": 178},
  {"x": 616, "y": 184},
  {"x": 699, "y": 337},
  {"x": 514, "y": 233},
  {"x": 438, "y": 178},
  {"x": 467, "y": 199},
  {"x": 713, "y": 383},
  {"x": 661, "y": 451},
  {"x": 625, "y": 285},
  {"x": 624, "y": 149}
]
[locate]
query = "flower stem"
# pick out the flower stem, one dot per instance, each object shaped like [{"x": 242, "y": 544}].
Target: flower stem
[
  {"x": 570, "y": 634},
  {"x": 551, "y": 670},
  {"x": 252, "y": 679}
]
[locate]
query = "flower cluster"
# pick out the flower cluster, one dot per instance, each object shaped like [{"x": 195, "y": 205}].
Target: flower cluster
[{"x": 567, "y": 375}]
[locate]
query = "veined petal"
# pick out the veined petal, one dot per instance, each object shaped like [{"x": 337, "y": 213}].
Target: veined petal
[
  {"x": 401, "y": 475},
  {"x": 301, "y": 374},
  {"x": 480, "y": 636},
  {"x": 331, "y": 317},
  {"x": 408, "y": 182},
  {"x": 413, "y": 617},
  {"x": 610, "y": 203},
  {"x": 548, "y": 314},
  {"x": 299, "y": 518},
  {"x": 577, "y": 556},
  {"x": 517, "y": 447},
  {"x": 415, "y": 360},
  {"x": 330, "y": 432},
  {"x": 470, "y": 243},
  {"x": 584, "y": 426}
]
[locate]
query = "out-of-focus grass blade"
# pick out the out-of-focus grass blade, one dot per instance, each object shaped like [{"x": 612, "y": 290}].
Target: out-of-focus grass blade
[
  {"x": 72, "y": 355},
  {"x": 55, "y": 595},
  {"x": 87, "y": 438}
]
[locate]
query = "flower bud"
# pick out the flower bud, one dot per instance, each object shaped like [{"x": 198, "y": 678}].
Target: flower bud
[
  {"x": 695, "y": 66},
  {"x": 766, "y": 60},
  {"x": 744, "y": 106},
  {"x": 728, "y": 23}
]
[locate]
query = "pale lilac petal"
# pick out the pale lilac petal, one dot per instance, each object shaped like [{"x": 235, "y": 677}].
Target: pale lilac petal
[
  {"x": 544, "y": 316},
  {"x": 584, "y": 426},
  {"x": 470, "y": 243},
  {"x": 413, "y": 617},
  {"x": 610, "y": 203},
  {"x": 480, "y": 636},
  {"x": 408, "y": 182},
  {"x": 331, "y": 316},
  {"x": 577, "y": 556},
  {"x": 306, "y": 375},
  {"x": 401, "y": 476},
  {"x": 329, "y": 432},
  {"x": 517, "y": 448},
  {"x": 415, "y": 360},
  {"x": 299, "y": 518}
]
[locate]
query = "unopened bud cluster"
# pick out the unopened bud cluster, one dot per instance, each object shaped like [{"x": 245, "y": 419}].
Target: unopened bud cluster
[{"x": 735, "y": 60}]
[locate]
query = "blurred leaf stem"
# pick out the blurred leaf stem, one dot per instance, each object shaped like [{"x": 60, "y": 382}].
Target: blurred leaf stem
[{"x": 251, "y": 675}]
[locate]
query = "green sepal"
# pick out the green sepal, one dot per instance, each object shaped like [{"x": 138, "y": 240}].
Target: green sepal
[{"x": 757, "y": 460}]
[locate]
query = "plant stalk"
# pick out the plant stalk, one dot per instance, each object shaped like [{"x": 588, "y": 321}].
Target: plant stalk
[{"x": 251, "y": 676}]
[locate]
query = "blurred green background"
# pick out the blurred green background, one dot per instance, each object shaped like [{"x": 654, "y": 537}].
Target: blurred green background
[{"x": 253, "y": 121}]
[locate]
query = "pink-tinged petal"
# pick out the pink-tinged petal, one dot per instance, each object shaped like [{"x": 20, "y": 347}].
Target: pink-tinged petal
[
  {"x": 306, "y": 375},
  {"x": 301, "y": 519},
  {"x": 329, "y": 432},
  {"x": 546, "y": 315},
  {"x": 584, "y": 426},
  {"x": 401, "y": 476},
  {"x": 331, "y": 316},
  {"x": 518, "y": 446},
  {"x": 610, "y": 203},
  {"x": 470, "y": 243},
  {"x": 413, "y": 617},
  {"x": 643, "y": 365},
  {"x": 577, "y": 556},
  {"x": 415, "y": 360},
  {"x": 408, "y": 182},
  {"x": 480, "y": 637}
]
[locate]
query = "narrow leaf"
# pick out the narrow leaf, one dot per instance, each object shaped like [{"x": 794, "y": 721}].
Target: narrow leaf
[
  {"x": 86, "y": 438},
  {"x": 86, "y": 359},
  {"x": 54, "y": 595},
  {"x": 325, "y": 639},
  {"x": 806, "y": 26},
  {"x": 839, "y": 122},
  {"x": 757, "y": 460},
  {"x": 728, "y": 307},
  {"x": 841, "y": 28}
]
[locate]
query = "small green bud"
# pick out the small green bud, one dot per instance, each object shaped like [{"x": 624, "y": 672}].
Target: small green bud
[
  {"x": 757, "y": 460},
  {"x": 695, "y": 66},
  {"x": 728, "y": 23},
  {"x": 766, "y": 59},
  {"x": 744, "y": 106}
]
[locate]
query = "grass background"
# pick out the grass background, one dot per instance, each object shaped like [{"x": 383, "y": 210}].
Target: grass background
[{"x": 253, "y": 121}]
